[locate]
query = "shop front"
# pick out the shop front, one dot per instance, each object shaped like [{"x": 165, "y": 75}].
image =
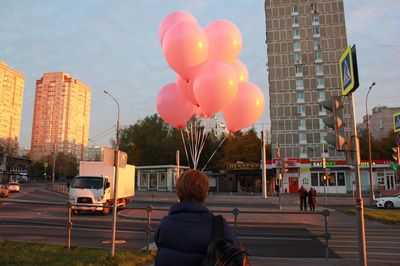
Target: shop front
[{"x": 157, "y": 178}]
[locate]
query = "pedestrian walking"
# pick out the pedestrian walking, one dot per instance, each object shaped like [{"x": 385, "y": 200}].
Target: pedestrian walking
[
  {"x": 277, "y": 189},
  {"x": 312, "y": 198},
  {"x": 184, "y": 235},
  {"x": 303, "y": 198}
]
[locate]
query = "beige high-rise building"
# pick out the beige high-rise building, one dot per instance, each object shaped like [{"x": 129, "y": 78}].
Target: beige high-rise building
[
  {"x": 11, "y": 96},
  {"x": 61, "y": 116},
  {"x": 305, "y": 40}
]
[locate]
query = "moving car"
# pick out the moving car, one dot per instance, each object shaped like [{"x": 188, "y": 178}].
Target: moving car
[
  {"x": 388, "y": 202},
  {"x": 3, "y": 191},
  {"x": 13, "y": 187}
]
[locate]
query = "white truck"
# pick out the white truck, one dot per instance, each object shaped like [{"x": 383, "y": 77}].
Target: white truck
[{"x": 95, "y": 185}]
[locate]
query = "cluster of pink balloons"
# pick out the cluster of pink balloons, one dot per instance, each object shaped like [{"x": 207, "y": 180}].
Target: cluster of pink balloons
[{"x": 209, "y": 77}]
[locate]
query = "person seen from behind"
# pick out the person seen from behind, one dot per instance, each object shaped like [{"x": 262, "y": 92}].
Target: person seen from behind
[
  {"x": 312, "y": 198},
  {"x": 303, "y": 198},
  {"x": 183, "y": 236}
]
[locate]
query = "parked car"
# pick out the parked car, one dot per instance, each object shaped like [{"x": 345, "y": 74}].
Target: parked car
[
  {"x": 388, "y": 202},
  {"x": 14, "y": 187},
  {"x": 3, "y": 191}
]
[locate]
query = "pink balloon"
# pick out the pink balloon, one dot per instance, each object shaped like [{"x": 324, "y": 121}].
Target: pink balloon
[
  {"x": 241, "y": 70},
  {"x": 185, "y": 47},
  {"x": 186, "y": 87},
  {"x": 225, "y": 40},
  {"x": 172, "y": 19},
  {"x": 215, "y": 86},
  {"x": 245, "y": 109},
  {"x": 173, "y": 107}
]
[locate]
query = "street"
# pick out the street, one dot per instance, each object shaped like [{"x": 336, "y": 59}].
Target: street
[{"x": 264, "y": 233}]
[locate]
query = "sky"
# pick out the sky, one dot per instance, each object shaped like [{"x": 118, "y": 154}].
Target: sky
[{"x": 113, "y": 45}]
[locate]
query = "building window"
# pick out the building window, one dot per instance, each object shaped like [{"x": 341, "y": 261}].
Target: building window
[
  {"x": 303, "y": 152},
  {"x": 314, "y": 179},
  {"x": 321, "y": 123},
  {"x": 297, "y": 46},
  {"x": 314, "y": 8},
  {"x": 322, "y": 135},
  {"x": 315, "y": 20},
  {"x": 322, "y": 110},
  {"x": 300, "y": 96},
  {"x": 317, "y": 44},
  {"x": 302, "y": 124},
  {"x": 297, "y": 58},
  {"x": 298, "y": 71},
  {"x": 295, "y": 21},
  {"x": 302, "y": 138},
  {"x": 162, "y": 181},
  {"x": 320, "y": 82},
  {"x": 332, "y": 180},
  {"x": 295, "y": 9},
  {"x": 321, "y": 95},
  {"x": 299, "y": 83},
  {"x": 316, "y": 31},
  {"x": 319, "y": 69},
  {"x": 296, "y": 33},
  {"x": 144, "y": 180},
  {"x": 301, "y": 110},
  {"x": 318, "y": 56},
  {"x": 341, "y": 181}
]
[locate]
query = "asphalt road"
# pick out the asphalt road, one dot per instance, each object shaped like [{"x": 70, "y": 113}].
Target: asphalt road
[{"x": 265, "y": 241}]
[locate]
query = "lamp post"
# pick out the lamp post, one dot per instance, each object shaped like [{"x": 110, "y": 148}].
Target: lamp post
[
  {"x": 371, "y": 175},
  {"x": 116, "y": 165}
]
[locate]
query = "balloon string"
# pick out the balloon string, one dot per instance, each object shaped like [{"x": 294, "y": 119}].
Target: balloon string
[
  {"x": 189, "y": 133},
  {"x": 184, "y": 146},
  {"x": 212, "y": 155}
]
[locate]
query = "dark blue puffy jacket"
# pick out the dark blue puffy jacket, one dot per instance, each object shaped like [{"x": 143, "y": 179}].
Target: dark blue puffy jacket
[{"x": 183, "y": 236}]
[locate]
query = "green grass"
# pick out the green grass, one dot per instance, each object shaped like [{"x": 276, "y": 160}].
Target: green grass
[
  {"x": 380, "y": 215},
  {"x": 14, "y": 253}
]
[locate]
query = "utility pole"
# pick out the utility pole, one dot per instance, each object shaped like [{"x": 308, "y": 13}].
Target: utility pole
[
  {"x": 278, "y": 153},
  {"x": 53, "y": 174},
  {"x": 116, "y": 165},
  {"x": 371, "y": 174},
  {"x": 362, "y": 250},
  {"x": 264, "y": 166}
]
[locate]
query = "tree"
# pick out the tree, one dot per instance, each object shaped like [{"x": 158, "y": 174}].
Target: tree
[
  {"x": 150, "y": 142},
  {"x": 381, "y": 149},
  {"x": 243, "y": 147}
]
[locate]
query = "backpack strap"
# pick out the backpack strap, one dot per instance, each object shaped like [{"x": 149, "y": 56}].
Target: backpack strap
[{"x": 217, "y": 227}]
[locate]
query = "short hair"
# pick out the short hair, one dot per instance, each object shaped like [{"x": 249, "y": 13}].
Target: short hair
[{"x": 192, "y": 186}]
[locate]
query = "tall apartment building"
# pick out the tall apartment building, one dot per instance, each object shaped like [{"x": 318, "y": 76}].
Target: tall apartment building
[
  {"x": 380, "y": 122},
  {"x": 61, "y": 116},
  {"x": 305, "y": 40},
  {"x": 11, "y": 96}
]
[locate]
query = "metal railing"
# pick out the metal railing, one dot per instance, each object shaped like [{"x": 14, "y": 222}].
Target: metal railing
[
  {"x": 236, "y": 212},
  {"x": 149, "y": 209}
]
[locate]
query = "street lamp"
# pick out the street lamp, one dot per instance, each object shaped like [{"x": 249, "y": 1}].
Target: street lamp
[
  {"x": 371, "y": 176},
  {"x": 116, "y": 165}
]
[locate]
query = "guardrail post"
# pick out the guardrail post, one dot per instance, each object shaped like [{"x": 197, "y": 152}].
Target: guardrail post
[
  {"x": 235, "y": 212},
  {"x": 327, "y": 235},
  {"x": 149, "y": 209},
  {"x": 69, "y": 224}
]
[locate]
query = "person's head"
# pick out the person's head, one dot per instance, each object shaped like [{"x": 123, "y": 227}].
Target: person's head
[{"x": 192, "y": 186}]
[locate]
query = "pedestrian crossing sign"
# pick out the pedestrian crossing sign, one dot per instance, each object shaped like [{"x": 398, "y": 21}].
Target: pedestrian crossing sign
[
  {"x": 348, "y": 70},
  {"x": 396, "y": 121}
]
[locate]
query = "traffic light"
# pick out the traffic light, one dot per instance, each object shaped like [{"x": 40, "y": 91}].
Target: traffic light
[
  {"x": 396, "y": 154},
  {"x": 335, "y": 122}
]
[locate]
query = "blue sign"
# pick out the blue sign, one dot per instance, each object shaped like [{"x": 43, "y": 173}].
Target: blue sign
[
  {"x": 396, "y": 121},
  {"x": 348, "y": 71}
]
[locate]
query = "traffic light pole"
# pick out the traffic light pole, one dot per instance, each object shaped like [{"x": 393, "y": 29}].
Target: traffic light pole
[{"x": 362, "y": 251}]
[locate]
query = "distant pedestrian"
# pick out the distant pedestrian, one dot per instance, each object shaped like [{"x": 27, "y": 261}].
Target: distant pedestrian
[
  {"x": 303, "y": 198},
  {"x": 277, "y": 189},
  {"x": 312, "y": 198}
]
